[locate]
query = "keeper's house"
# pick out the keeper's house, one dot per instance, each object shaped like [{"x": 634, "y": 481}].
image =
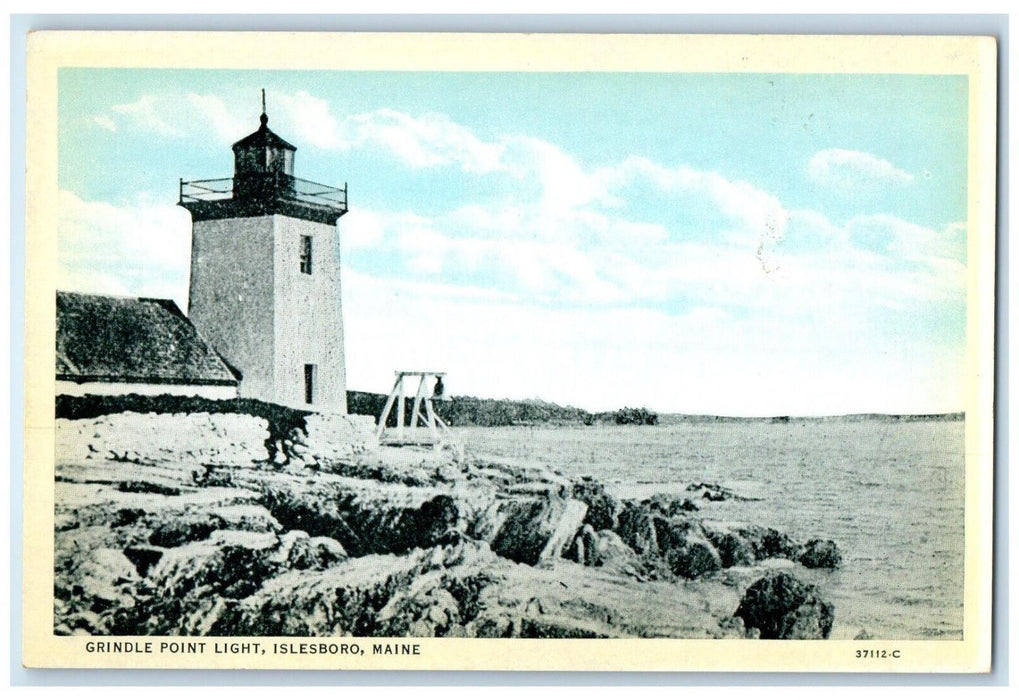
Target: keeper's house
[{"x": 121, "y": 345}]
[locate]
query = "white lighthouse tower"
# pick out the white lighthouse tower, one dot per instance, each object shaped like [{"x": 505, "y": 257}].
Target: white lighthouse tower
[{"x": 265, "y": 275}]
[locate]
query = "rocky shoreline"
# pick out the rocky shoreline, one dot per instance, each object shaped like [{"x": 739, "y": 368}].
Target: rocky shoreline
[{"x": 184, "y": 525}]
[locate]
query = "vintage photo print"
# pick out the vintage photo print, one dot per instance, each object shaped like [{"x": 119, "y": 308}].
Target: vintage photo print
[{"x": 543, "y": 352}]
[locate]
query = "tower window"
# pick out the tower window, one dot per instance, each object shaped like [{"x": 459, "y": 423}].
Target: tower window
[
  {"x": 306, "y": 254},
  {"x": 309, "y": 383}
]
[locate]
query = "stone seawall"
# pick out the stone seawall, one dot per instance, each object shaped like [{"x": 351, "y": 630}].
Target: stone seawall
[{"x": 213, "y": 439}]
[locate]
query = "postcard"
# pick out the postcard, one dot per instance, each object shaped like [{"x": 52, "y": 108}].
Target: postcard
[{"x": 509, "y": 352}]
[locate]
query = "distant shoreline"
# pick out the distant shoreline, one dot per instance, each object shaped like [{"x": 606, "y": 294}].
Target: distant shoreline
[
  {"x": 457, "y": 411},
  {"x": 671, "y": 418},
  {"x": 470, "y": 410}
]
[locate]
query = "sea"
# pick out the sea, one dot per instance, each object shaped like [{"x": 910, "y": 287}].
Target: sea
[{"x": 890, "y": 493}]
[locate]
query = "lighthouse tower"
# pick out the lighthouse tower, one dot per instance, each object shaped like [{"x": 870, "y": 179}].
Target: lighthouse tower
[{"x": 265, "y": 274}]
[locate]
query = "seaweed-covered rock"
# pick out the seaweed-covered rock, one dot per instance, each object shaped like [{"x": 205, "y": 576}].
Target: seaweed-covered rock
[
  {"x": 821, "y": 554},
  {"x": 182, "y": 528},
  {"x": 143, "y": 558},
  {"x": 680, "y": 543},
  {"x": 769, "y": 543},
  {"x": 637, "y": 529},
  {"x": 711, "y": 492},
  {"x": 670, "y": 505},
  {"x": 685, "y": 548},
  {"x": 188, "y": 589},
  {"x": 442, "y": 603},
  {"x": 732, "y": 549},
  {"x": 602, "y": 507},
  {"x": 531, "y": 530},
  {"x": 783, "y": 607}
]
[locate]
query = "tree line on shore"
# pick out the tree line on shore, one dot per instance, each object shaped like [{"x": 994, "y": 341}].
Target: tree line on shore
[{"x": 469, "y": 410}]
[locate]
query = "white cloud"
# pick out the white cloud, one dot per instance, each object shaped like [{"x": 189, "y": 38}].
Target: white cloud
[
  {"x": 588, "y": 256},
  {"x": 705, "y": 360},
  {"x": 153, "y": 114},
  {"x": 757, "y": 212},
  {"x": 424, "y": 249},
  {"x": 564, "y": 184},
  {"x": 311, "y": 120},
  {"x": 140, "y": 250},
  {"x": 913, "y": 242},
  {"x": 425, "y": 141},
  {"x": 428, "y": 140},
  {"x": 362, "y": 228},
  {"x": 223, "y": 119},
  {"x": 177, "y": 117},
  {"x": 843, "y": 169}
]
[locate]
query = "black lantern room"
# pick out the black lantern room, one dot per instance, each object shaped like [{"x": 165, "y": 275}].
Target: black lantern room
[{"x": 263, "y": 183}]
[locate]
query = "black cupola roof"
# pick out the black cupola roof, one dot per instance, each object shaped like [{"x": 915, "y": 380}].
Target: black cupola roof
[{"x": 263, "y": 138}]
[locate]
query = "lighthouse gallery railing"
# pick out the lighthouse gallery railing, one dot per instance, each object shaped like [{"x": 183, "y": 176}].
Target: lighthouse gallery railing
[{"x": 275, "y": 185}]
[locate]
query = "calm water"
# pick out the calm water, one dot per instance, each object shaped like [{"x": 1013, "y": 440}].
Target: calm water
[{"x": 891, "y": 495}]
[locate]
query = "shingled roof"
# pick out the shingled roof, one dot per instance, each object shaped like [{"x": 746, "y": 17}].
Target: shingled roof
[{"x": 121, "y": 339}]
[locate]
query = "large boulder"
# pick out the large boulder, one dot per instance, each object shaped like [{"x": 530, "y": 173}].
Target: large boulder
[
  {"x": 426, "y": 592},
  {"x": 188, "y": 589},
  {"x": 304, "y": 553},
  {"x": 769, "y": 543},
  {"x": 821, "y": 554},
  {"x": 604, "y": 549},
  {"x": 732, "y": 546},
  {"x": 367, "y": 517},
  {"x": 581, "y": 548},
  {"x": 90, "y": 587},
  {"x": 678, "y": 542},
  {"x": 783, "y": 607},
  {"x": 171, "y": 528},
  {"x": 531, "y": 530}
]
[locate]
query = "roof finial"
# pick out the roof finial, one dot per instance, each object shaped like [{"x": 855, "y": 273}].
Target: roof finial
[{"x": 264, "y": 118}]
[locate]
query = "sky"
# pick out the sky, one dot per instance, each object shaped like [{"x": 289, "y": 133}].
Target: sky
[{"x": 735, "y": 244}]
